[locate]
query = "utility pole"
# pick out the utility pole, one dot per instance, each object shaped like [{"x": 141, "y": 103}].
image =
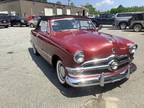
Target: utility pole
[{"x": 69, "y": 2}]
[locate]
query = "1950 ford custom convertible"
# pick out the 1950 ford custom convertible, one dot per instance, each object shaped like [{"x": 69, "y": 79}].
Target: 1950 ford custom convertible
[{"x": 81, "y": 55}]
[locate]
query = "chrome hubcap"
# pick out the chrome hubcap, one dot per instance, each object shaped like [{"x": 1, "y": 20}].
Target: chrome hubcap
[
  {"x": 61, "y": 72},
  {"x": 137, "y": 28},
  {"x": 123, "y": 26}
]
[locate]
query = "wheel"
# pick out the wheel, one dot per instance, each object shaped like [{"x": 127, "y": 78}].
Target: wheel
[
  {"x": 123, "y": 26},
  {"x": 35, "y": 50},
  {"x": 6, "y": 26},
  {"x": 27, "y": 25},
  {"x": 31, "y": 25},
  {"x": 61, "y": 73},
  {"x": 137, "y": 27},
  {"x": 19, "y": 25}
]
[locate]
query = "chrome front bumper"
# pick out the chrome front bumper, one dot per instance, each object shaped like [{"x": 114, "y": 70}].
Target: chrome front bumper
[{"x": 99, "y": 79}]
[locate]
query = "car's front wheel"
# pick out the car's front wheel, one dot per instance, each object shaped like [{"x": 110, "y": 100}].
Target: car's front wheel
[
  {"x": 61, "y": 73},
  {"x": 137, "y": 27},
  {"x": 123, "y": 26},
  {"x": 31, "y": 25}
]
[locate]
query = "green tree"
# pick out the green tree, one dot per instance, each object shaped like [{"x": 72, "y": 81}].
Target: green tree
[
  {"x": 92, "y": 10},
  {"x": 120, "y": 9}
]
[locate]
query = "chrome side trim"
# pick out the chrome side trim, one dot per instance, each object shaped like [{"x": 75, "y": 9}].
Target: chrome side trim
[{"x": 49, "y": 56}]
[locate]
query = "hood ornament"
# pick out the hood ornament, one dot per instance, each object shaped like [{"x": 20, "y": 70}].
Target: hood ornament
[{"x": 114, "y": 50}]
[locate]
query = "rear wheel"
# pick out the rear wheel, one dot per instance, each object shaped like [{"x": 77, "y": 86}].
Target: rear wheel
[
  {"x": 61, "y": 73},
  {"x": 6, "y": 26},
  {"x": 19, "y": 24},
  {"x": 123, "y": 26},
  {"x": 137, "y": 27}
]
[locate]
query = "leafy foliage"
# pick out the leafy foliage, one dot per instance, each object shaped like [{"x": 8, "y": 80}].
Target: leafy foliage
[
  {"x": 92, "y": 10},
  {"x": 120, "y": 9}
]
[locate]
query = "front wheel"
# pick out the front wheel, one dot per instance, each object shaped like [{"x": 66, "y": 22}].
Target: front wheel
[
  {"x": 137, "y": 27},
  {"x": 31, "y": 25},
  {"x": 123, "y": 26},
  {"x": 61, "y": 73}
]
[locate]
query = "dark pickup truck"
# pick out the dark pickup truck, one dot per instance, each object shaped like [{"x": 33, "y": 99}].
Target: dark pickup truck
[
  {"x": 104, "y": 19},
  {"x": 4, "y": 20}
]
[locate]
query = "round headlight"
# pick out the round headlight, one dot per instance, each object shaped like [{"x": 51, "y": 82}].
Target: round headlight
[
  {"x": 79, "y": 57},
  {"x": 132, "y": 49}
]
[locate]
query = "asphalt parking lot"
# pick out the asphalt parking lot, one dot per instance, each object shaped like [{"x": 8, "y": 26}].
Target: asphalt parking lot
[{"x": 28, "y": 81}]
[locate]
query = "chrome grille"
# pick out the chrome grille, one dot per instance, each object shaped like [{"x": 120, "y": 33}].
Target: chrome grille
[{"x": 122, "y": 60}]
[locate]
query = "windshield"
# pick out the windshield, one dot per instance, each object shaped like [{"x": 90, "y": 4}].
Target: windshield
[{"x": 71, "y": 23}]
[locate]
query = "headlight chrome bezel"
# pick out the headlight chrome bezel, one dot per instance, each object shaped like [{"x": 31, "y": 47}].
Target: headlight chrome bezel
[
  {"x": 133, "y": 48},
  {"x": 79, "y": 57}
]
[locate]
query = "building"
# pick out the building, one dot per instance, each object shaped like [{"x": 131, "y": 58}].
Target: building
[{"x": 33, "y": 7}]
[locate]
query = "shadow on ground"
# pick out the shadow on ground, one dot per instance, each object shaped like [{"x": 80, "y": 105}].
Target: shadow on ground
[{"x": 50, "y": 73}]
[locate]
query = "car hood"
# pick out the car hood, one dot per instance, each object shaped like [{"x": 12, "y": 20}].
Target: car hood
[{"x": 94, "y": 44}]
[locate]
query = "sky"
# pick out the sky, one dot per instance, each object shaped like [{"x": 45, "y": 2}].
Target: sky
[{"x": 103, "y": 5}]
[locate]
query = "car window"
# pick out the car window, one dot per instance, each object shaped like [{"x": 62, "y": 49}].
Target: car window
[
  {"x": 72, "y": 23},
  {"x": 18, "y": 17},
  {"x": 12, "y": 17},
  {"x": 85, "y": 24},
  {"x": 44, "y": 26},
  {"x": 3, "y": 16},
  {"x": 139, "y": 17},
  {"x": 124, "y": 15},
  {"x": 109, "y": 16},
  {"x": 103, "y": 16}
]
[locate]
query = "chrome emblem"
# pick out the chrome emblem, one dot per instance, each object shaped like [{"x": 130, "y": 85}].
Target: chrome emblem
[{"x": 113, "y": 65}]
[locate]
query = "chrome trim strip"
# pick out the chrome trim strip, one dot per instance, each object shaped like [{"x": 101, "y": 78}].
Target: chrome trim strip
[
  {"x": 81, "y": 69},
  {"x": 103, "y": 59},
  {"x": 98, "y": 60},
  {"x": 49, "y": 56},
  {"x": 95, "y": 80}
]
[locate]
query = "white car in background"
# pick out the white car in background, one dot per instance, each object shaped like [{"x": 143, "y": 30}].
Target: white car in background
[{"x": 33, "y": 22}]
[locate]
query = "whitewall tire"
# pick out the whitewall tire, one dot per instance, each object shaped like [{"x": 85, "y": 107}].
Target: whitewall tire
[{"x": 61, "y": 73}]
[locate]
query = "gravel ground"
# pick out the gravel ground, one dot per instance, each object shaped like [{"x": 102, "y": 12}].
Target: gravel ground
[{"x": 27, "y": 81}]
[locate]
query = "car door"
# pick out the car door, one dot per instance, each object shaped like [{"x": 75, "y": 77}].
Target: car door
[
  {"x": 102, "y": 19},
  {"x": 110, "y": 19},
  {"x": 13, "y": 20},
  {"x": 143, "y": 20},
  {"x": 44, "y": 40}
]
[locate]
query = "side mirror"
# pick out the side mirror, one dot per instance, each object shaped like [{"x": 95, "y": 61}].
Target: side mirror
[{"x": 99, "y": 27}]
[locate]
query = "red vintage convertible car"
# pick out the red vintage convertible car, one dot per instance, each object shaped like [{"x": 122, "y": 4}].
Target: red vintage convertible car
[{"x": 81, "y": 55}]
